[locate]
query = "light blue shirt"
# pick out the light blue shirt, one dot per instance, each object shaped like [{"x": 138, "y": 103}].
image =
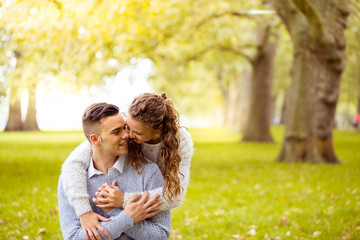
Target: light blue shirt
[
  {"x": 118, "y": 165},
  {"x": 121, "y": 225}
]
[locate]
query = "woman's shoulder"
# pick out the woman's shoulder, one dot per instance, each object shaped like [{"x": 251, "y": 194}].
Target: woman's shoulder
[
  {"x": 186, "y": 142},
  {"x": 184, "y": 134}
]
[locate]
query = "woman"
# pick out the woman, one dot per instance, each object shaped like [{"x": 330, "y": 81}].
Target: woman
[{"x": 153, "y": 124}]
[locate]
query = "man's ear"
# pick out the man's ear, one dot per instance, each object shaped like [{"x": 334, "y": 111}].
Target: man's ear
[{"x": 95, "y": 139}]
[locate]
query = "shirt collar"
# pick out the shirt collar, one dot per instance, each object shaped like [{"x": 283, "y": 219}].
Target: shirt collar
[{"x": 119, "y": 166}]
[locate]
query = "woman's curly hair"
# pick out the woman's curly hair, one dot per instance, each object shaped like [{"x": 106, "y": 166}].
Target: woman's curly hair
[{"x": 155, "y": 111}]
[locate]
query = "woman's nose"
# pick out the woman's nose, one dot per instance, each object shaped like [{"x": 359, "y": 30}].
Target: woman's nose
[{"x": 131, "y": 134}]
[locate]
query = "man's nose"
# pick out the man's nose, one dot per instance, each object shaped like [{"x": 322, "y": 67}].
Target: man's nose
[{"x": 125, "y": 134}]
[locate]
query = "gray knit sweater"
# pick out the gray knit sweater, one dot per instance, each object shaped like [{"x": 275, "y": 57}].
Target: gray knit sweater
[
  {"x": 75, "y": 165},
  {"x": 121, "y": 225}
]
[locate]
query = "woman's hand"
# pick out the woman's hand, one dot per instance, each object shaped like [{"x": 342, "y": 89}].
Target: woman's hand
[
  {"x": 140, "y": 209},
  {"x": 109, "y": 196},
  {"x": 90, "y": 223}
]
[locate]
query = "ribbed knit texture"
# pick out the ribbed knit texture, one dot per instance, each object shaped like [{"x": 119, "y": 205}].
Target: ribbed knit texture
[
  {"x": 121, "y": 225},
  {"x": 74, "y": 173}
]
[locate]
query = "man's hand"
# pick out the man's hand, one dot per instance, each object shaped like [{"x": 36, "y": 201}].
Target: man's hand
[
  {"x": 109, "y": 196},
  {"x": 140, "y": 210},
  {"x": 90, "y": 223}
]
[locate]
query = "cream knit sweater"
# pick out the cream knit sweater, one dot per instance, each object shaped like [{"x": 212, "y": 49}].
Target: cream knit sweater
[{"x": 75, "y": 179}]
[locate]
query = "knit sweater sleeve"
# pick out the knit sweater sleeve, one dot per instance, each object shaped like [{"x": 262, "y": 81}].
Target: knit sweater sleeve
[
  {"x": 74, "y": 175},
  {"x": 186, "y": 150}
]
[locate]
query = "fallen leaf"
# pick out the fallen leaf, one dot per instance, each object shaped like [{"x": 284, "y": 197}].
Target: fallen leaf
[
  {"x": 175, "y": 234},
  {"x": 283, "y": 220},
  {"x": 347, "y": 235},
  {"x": 316, "y": 233},
  {"x": 52, "y": 212},
  {"x": 219, "y": 212},
  {"x": 252, "y": 232},
  {"x": 25, "y": 222}
]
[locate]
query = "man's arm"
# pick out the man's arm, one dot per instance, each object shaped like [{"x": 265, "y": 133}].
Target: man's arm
[
  {"x": 158, "y": 226},
  {"x": 70, "y": 223}
]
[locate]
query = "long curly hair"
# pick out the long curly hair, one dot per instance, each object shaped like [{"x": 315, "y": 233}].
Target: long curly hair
[{"x": 155, "y": 111}]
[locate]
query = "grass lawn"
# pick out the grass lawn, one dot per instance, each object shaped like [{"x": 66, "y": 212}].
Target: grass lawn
[{"x": 237, "y": 190}]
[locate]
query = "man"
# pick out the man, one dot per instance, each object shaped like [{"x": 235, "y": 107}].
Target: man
[{"x": 104, "y": 127}]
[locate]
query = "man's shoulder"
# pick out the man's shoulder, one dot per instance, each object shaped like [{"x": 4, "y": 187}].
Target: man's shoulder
[
  {"x": 146, "y": 168},
  {"x": 150, "y": 166}
]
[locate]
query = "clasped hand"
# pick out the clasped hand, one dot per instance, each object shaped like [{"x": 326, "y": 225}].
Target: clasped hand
[{"x": 109, "y": 196}]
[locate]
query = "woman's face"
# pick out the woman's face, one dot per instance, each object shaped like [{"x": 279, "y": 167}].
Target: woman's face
[{"x": 141, "y": 133}]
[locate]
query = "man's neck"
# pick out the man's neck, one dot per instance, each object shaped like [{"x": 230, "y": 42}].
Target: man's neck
[{"x": 103, "y": 162}]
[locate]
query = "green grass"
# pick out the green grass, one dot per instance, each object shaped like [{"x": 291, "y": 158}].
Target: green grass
[{"x": 234, "y": 188}]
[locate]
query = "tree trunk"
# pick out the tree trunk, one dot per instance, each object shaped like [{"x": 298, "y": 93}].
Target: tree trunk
[
  {"x": 30, "y": 123},
  {"x": 243, "y": 101},
  {"x": 14, "y": 122},
  {"x": 317, "y": 31},
  {"x": 238, "y": 107},
  {"x": 258, "y": 123},
  {"x": 283, "y": 109}
]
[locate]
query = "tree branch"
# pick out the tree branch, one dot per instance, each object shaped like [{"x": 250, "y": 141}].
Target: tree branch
[
  {"x": 234, "y": 51},
  {"x": 197, "y": 55},
  {"x": 218, "y": 15},
  {"x": 313, "y": 16},
  {"x": 293, "y": 19}
]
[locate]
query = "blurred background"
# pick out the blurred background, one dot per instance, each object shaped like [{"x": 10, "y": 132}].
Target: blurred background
[
  {"x": 255, "y": 82},
  {"x": 57, "y": 57}
]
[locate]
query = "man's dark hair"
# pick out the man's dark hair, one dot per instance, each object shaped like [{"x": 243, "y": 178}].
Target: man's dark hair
[{"x": 91, "y": 119}]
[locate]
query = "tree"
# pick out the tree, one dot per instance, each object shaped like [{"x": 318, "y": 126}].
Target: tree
[
  {"x": 51, "y": 38},
  {"x": 220, "y": 34},
  {"x": 316, "y": 28},
  {"x": 257, "y": 126},
  {"x": 350, "y": 86}
]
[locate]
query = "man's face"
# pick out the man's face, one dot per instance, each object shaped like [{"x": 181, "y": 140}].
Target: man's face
[{"x": 114, "y": 137}]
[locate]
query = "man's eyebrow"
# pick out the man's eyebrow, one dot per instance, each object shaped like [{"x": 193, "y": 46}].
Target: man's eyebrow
[{"x": 115, "y": 129}]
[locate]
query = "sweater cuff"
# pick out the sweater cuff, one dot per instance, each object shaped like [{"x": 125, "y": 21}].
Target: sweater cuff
[
  {"x": 114, "y": 212},
  {"x": 127, "y": 219},
  {"x": 81, "y": 206},
  {"x": 127, "y": 197}
]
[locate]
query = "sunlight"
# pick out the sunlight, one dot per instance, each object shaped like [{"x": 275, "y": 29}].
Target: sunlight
[{"x": 63, "y": 111}]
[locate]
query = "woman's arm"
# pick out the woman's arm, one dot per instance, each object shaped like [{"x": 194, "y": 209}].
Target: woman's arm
[
  {"x": 186, "y": 151},
  {"x": 74, "y": 176}
]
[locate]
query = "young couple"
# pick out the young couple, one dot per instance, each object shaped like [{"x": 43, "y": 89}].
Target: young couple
[{"x": 123, "y": 182}]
